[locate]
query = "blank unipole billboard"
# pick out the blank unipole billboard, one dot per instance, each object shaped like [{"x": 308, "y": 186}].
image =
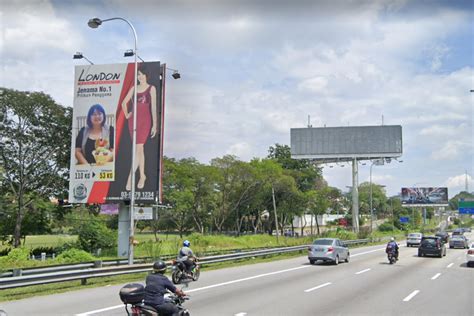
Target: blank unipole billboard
[{"x": 360, "y": 142}]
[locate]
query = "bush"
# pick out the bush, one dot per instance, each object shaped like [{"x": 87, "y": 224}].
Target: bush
[
  {"x": 38, "y": 250},
  {"x": 17, "y": 257},
  {"x": 74, "y": 256},
  {"x": 386, "y": 227},
  {"x": 94, "y": 235},
  {"x": 5, "y": 251}
]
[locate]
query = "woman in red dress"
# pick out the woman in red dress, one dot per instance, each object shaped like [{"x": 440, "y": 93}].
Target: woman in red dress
[{"x": 146, "y": 122}]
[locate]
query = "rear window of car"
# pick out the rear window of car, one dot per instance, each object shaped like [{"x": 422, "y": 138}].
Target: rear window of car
[
  {"x": 414, "y": 235},
  {"x": 458, "y": 237},
  {"x": 324, "y": 242},
  {"x": 429, "y": 241}
]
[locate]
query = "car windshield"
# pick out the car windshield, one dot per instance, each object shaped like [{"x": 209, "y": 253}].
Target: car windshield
[
  {"x": 458, "y": 238},
  {"x": 323, "y": 242},
  {"x": 414, "y": 235}
]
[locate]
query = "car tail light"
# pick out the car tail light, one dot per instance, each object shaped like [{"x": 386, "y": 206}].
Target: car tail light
[
  {"x": 330, "y": 249},
  {"x": 310, "y": 249},
  {"x": 471, "y": 252}
]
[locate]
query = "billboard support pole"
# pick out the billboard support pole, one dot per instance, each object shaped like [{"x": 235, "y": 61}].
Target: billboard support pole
[
  {"x": 95, "y": 23},
  {"x": 355, "y": 196}
]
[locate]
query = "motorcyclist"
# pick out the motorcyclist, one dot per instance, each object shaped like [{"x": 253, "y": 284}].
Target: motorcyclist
[
  {"x": 186, "y": 256},
  {"x": 392, "y": 246},
  {"x": 157, "y": 284}
]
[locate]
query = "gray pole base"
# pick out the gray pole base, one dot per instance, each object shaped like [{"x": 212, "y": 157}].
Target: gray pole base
[{"x": 123, "y": 231}]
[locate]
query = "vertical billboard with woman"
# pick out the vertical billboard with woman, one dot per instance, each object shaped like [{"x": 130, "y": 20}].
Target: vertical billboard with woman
[{"x": 102, "y": 132}]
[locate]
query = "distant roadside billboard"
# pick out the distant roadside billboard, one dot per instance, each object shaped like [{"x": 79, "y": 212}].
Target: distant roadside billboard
[
  {"x": 363, "y": 142},
  {"x": 424, "y": 197}
]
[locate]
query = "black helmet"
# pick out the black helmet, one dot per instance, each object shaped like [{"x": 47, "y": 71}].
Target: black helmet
[{"x": 159, "y": 267}]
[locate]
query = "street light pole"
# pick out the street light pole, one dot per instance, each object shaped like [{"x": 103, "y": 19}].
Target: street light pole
[{"x": 94, "y": 23}]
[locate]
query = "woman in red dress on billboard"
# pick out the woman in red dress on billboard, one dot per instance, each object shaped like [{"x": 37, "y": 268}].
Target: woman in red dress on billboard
[{"x": 146, "y": 122}]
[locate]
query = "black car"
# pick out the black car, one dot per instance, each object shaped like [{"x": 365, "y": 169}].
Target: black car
[
  {"x": 444, "y": 236},
  {"x": 432, "y": 246}
]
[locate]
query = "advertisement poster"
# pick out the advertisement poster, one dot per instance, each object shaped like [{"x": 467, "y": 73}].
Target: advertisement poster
[
  {"x": 424, "y": 196},
  {"x": 102, "y": 129}
]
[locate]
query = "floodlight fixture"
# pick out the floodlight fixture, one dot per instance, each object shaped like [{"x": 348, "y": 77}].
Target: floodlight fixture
[
  {"x": 176, "y": 74},
  {"x": 79, "y": 55},
  {"x": 130, "y": 53}
]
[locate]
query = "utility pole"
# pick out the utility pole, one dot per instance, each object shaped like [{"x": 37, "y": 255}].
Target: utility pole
[{"x": 275, "y": 210}]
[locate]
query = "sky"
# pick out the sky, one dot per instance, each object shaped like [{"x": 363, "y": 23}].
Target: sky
[{"x": 251, "y": 70}]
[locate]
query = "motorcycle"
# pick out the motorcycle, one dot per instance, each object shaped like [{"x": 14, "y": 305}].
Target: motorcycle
[
  {"x": 179, "y": 275},
  {"x": 392, "y": 257},
  {"x": 132, "y": 294}
]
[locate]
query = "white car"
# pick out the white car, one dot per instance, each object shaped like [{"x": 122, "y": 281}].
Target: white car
[
  {"x": 414, "y": 239},
  {"x": 470, "y": 256}
]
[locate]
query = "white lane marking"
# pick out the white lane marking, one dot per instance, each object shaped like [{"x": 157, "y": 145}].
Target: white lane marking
[
  {"x": 240, "y": 314},
  {"x": 245, "y": 279},
  {"x": 450, "y": 265},
  {"x": 317, "y": 287},
  {"x": 225, "y": 283},
  {"x": 363, "y": 253},
  {"x": 435, "y": 276},
  {"x": 363, "y": 271},
  {"x": 207, "y": 287},
  {"x": 100, "y": 310},
  {"x": 409, "y": 297}
]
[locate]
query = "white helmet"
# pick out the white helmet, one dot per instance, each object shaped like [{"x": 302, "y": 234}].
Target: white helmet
[{"x": 392, "y": 239}]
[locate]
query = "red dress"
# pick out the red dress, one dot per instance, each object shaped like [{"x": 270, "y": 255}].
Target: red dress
[{"x": 143, "y": 118}]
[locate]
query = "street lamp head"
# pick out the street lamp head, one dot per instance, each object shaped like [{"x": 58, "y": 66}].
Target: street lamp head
[
  {"x": 78, "y": 55},
  {"x": 176, "y": 75},
  {"x": 94, "y": 23},
  {"x": 128, "y": 53}
]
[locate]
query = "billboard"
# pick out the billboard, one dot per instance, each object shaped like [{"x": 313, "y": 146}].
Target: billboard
[
  {"x": 101, "y": 144},
  {"x": 424, "y": 196},
  {"x": 339, "y": 143}
]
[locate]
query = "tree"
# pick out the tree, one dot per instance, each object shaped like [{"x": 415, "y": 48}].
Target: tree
[
  {"x": 306, "y": 175},
  {"x": 34, "y": 149}
]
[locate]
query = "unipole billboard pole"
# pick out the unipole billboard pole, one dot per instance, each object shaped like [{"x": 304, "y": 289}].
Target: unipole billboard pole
[
  {"x": 355, "y": 196},
  {"x": 95, "y": 23}
]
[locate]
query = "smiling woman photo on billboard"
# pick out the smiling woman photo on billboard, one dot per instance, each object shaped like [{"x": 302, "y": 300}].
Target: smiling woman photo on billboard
[
  {"x": 147, "y": 123},
  {"x": 95, "y": 141}
]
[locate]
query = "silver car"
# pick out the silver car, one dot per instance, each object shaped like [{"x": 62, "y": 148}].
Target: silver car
[
  {"x": 459, "y": 241},
  {"x": 414, "y": 239},
  {"x": 328, "y": 250}
]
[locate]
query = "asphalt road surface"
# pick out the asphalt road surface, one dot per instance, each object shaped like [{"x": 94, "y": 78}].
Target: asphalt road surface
[{"x": 367, "y": 285}]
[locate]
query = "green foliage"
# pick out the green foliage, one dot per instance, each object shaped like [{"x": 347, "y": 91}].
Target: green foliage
[
  {"x": 5, "y": 251},
  {"x": 152, "y": 249},
  {"x": 93, "y": 235},
  {"x": 35, "y": 134},
  {"x": 17, "y": 257},
  {"x": 386, "y": 227},
  {"x": 38, "y": 250},
  {"x": 74, "y": 256},
  {"x": 340, "y": 233}
]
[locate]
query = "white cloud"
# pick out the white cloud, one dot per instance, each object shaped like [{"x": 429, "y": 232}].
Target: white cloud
[
  {"x": 458, "y": 183},
  {"x": 241, "y": 150}
]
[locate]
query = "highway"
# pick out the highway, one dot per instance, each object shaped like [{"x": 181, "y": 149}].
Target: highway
[{"x": 367, "y": 285}]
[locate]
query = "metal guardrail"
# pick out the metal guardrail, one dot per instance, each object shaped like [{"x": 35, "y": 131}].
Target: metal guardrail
[{"x": 87, "y": 271}]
